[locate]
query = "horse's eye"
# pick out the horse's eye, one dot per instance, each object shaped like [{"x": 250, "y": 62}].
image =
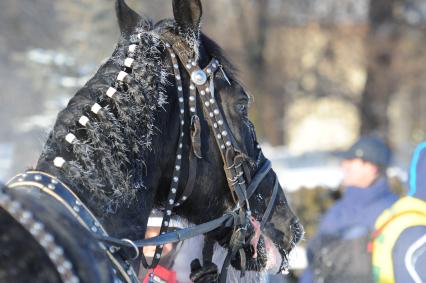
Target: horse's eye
[{"x": 242, "y": 109}]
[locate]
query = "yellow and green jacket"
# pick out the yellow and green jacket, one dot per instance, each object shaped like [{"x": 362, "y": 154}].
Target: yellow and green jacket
[
  {"x": 405, "y": 214},
  {"x": 399, "y": 243}
]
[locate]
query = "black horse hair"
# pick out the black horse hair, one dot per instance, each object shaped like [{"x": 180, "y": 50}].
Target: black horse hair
[{"x": 107, "y": 159}]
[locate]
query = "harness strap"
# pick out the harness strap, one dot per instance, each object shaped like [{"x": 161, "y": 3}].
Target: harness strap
[
  {"x": 271, "y": 203},
  {"x": 171, "y": 197},
  {"x": 226, "y": 220},
  {"x": 223, "y": 135},
  {"x": 60, "y": 192},
  {"x": 258, "y": 178},
  {"x": 192, "y": 174},
  {"x": 195, "y": 122},
  {"x": 196, "y": 135},
  {"x": 208, "y": 249},
  {"x": 236, "y": 245},
  {"x": 239, "y": 160},
  {"x": 61, "y": 261},
  {"x": 225, "y": 267}
]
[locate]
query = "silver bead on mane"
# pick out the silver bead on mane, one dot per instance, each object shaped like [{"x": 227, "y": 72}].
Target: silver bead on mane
[{"x": 199, "y": 77}]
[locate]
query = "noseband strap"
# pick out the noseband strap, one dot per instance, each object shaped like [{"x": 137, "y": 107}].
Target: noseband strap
[{"x": 271, "y": 205}]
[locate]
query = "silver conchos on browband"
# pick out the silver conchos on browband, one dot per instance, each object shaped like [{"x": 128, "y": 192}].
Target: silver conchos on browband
[{"x": 199, "y": 77}]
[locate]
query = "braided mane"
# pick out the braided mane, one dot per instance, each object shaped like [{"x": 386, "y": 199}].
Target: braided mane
[{"x": 106, "y": 156}]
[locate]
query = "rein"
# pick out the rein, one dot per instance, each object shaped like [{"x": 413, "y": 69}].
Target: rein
[
  {"x": 53, "y": 187},
  {"x": 227, "y": 220}
]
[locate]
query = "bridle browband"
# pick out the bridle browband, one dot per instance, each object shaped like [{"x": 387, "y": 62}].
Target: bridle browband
[{"x": 241, "y": 183}]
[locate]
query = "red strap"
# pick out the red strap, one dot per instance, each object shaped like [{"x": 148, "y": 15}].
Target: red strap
[{"x": 164, "y": 274}]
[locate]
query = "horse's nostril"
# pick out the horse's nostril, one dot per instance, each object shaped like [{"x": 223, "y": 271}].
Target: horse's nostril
[{"x": 297, "y": 230}]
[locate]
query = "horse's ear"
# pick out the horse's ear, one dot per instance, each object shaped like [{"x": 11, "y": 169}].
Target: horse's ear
[
  {"x": 127, "y": 18},
  {"x": 188, "y": 13}
]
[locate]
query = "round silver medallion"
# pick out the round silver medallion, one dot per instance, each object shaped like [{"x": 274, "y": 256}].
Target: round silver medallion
[{"x": 199, "y": 77}]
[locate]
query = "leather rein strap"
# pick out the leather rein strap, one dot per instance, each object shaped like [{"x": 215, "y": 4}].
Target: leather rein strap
[
  {"x": 60, "y": 192},
  {"x": 226, "y": 220}
]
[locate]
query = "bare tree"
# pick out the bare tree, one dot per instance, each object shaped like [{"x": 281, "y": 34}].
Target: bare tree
[
  {"x": 382, "y": 41},
  {"x": 255, "y": 24}
]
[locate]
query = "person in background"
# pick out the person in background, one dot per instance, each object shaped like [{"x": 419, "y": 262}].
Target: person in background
[
  {"x": 398, "y": 245},
  {"x": 338, "y": 251}
]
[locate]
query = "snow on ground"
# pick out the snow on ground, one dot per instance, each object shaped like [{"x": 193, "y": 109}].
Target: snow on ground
[
  {"x": 6, "y": 152},
  {"x": 313, "y": 169},
  {"x": 308, "y": 170}
]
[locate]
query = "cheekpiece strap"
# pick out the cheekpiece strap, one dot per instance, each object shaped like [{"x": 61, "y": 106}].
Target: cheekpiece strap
[{"x": 202, "y": 81}]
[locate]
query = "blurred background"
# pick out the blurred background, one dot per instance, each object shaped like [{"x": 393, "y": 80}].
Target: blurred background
[{"x": 322, "y": 72}]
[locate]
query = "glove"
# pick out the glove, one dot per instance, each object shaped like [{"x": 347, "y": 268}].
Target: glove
[{"x": 203, "y": 274}]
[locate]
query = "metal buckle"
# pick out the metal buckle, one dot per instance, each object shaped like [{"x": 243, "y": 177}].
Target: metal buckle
[{"x": 134, "y": 247}]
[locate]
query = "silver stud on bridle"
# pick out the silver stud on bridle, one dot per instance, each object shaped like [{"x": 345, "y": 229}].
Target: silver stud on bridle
[{"x": 199, "y": 77}]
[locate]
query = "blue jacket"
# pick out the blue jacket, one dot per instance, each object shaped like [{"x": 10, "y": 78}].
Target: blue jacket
[
  {"x": 353, "y": 216},
  {"x": 356, "y": 212},
  {"x": 409, "y": 252}
]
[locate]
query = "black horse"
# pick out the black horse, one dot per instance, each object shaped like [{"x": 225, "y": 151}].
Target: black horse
[{"x": 136, "y": 137}]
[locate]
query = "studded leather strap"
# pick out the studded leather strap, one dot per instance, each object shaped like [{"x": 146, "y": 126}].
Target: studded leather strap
[
  {"x": 223, "y": 136},
  {"x": 60, "y": 192}
]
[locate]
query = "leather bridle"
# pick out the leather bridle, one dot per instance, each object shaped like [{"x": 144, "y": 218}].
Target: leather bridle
[
  {"x": 241, "y": 182},
  {"x": 202, "y": 88}
]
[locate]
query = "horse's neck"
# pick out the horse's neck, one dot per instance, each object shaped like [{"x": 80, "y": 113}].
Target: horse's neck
[
  {"x": 108, "y": 167},
  {"x": 127, "y": 220}
]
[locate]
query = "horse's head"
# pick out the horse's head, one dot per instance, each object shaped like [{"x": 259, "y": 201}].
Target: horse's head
[
  {"x": 164, "y": 123},
  {"x": 221, "y": 158}
]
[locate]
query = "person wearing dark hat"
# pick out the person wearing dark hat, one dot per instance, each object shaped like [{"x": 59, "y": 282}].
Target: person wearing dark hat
[{"x": 338, "y": 252}]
